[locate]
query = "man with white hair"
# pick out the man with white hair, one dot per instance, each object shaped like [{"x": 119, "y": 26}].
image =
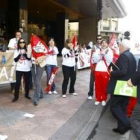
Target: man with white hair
[{"x": 126, "y": 66}]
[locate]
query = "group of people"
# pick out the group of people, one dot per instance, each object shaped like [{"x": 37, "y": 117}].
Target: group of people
[
  {"x": 27, "y": 66},
  {"x": 104, "y": 76}
]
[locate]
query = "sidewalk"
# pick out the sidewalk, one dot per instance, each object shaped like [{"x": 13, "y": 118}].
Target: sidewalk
[
  {"x": 56, "y": 118},
  {"x": 51, "y": 114},
  {"x": 103, "y": 131}
]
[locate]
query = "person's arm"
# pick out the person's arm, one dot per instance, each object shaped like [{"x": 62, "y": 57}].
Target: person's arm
[
  {"x": 123, "y": 66},
  {"x": 96, "y": 57},
  {"x": 76, "y": 55},
  {"x": 109, "y": 57},
  {"x": 10, "y": 45},
  {"x": 17, "y": 56},
  {"x": 55, "y": 51},
  {"x": 29, "y": 51},
  {"x": 67, "y": 53},
  {"x": 135, "y": 79},
  {"x": 25, "y": 55}
]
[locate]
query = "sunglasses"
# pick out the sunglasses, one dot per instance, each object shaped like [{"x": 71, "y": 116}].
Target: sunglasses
[
  {"x": 21, "y": 42},
  {"x": 99, "y": 38}
]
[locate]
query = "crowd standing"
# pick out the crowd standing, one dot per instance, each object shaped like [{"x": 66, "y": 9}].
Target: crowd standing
[{"x": 103, "y": 75}]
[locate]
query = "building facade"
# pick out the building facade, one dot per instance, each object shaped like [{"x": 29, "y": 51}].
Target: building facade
[
  {"x": 50, "y": 18},
  {"x": 106, "y": 27}
]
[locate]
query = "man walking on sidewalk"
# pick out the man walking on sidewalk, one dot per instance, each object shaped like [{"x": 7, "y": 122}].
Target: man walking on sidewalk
[{"x": 127, "y": 66}]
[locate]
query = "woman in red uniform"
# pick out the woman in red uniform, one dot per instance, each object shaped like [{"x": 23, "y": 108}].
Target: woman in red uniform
[{"x": 102, "y": 57}]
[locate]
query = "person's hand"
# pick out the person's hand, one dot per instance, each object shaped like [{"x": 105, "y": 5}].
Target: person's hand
[
  {"x": 23, "y": 51},
  {"x": 25, "y": 55},
  {"x": 129, "y": 83},
  {"x": 76, "y": 48},
  {"x": 110, "y": 69},
  {"x": 36, "y": 61}
]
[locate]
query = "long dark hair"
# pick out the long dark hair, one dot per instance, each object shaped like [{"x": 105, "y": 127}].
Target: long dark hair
[{"x": 18, "y": 45}]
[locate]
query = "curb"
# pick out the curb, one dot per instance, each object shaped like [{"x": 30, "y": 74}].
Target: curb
[
  {"x": 89, "y": 130},
  {"x": 82, "y": 125}
]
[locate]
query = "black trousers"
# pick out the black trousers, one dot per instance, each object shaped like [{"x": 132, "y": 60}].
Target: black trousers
[
  {"x": 119, "y": 111},
  {"x": 12, "y": 86},
  {"x": 19, "y": 75},
  {"x": 68, "y": 73},
  {"x": 91, "y": 84}
]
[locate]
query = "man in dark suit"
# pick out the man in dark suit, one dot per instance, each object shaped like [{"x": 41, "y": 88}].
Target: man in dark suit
[{"x": 126, "y": 66}]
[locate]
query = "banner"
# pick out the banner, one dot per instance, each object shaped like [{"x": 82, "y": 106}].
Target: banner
[
  {"x": 74, "y": 40},
  {"x": 123, "y": 89},
  {"x": 51, "y": 80},
  {"x": 84, "y": 60},
  {"x": 113, "y": 45},
  {"x": 39, "y": 48},
  {"x": 6, "y": 66}
]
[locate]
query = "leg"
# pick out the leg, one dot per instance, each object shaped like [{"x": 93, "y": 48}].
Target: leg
[
  {"x": 66, "y": 73},
  {"x": 49, "y": 69},
  {"x": 105, "y": 79},
  {"x": 11, "y": 75},
  {"x": 53, "y": 88},
  {"x": 48, "y": 72},
  {"x": 73, "y": 79},
  {"x": 18, "y": 82},
  {"x": 91, "y": 84},
  {"x": 131, "y": 105},
  {"x": 118, "y": 109},
  {"x": 135, "y": 120},
  {"x": 27, "y": 83},
  {"x": 37, "y": 74},
  {"x": 31, "y": 81},
  {"x": 98, "y": 86}
]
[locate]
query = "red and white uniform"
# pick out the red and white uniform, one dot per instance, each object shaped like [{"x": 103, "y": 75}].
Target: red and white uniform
[{"x": 102, "y": 58}]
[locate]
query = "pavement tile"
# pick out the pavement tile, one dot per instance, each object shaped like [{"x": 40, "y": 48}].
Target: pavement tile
[{"x": 32, "y": 137}]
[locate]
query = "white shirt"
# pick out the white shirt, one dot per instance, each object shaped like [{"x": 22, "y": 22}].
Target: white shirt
[
  {"x": 13, "y": 43},
  {"x": 22, "y": 64},
  {"x": 68, "y": 59},
  {"x": 51, "y": 59},
  {"x": 97, "y": 58}
]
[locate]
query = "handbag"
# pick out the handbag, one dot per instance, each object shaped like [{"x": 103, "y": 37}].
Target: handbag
[{"x": 123, "y": 89}]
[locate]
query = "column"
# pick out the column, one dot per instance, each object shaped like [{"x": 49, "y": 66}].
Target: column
[
  {"x": 23, "y": 18},
  {"x": 61, "y": 30},
  {"x": 88, "y": 30},
  {"x": 17, "y": 17},
  {"x": 13, "y": 17}
]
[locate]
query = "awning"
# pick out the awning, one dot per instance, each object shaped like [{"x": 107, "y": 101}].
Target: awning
[
  {"x": 76, "y": 9},
  {"x": 113, "y": 9}
]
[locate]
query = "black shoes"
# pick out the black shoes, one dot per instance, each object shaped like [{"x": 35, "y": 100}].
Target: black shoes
[
  {"x": 35, "y": 103},
  {"x": 28, "y": 97},
  {"x": 14, "y": 100},
  {"x": 116, "y": 130}
]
